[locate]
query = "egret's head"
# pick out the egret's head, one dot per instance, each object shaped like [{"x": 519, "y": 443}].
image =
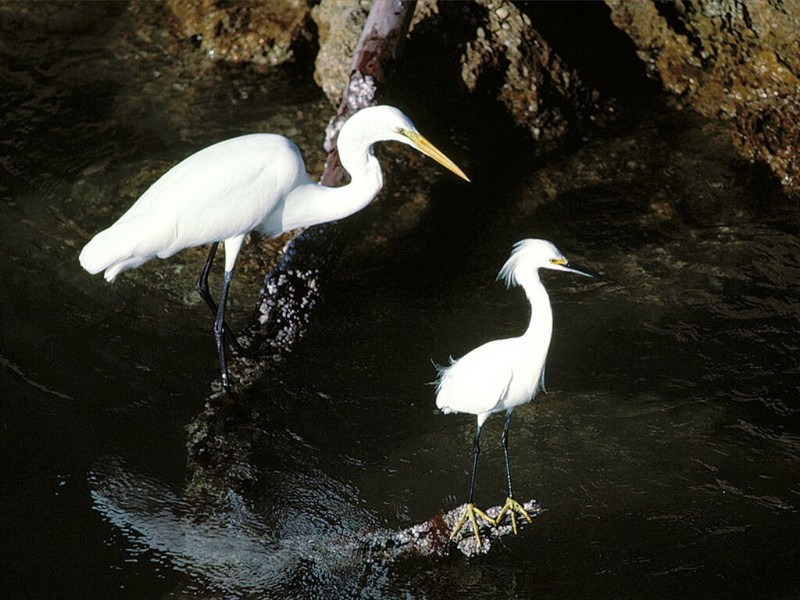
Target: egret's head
[
  {"x": 528, "y": 256},
  {"x": 386, "y": 123}
]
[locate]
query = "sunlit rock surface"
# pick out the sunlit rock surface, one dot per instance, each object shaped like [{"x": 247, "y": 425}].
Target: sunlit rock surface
[
  {"x": 254, "y": 32},
  {"x": 339, "y": 24},
  {"x": 727, "y": 60},
  {"x": 724, "y": 59},
  {"x": 495, "y": 47}
]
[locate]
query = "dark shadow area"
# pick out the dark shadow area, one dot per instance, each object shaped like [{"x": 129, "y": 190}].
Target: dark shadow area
[
  {"x": 484, "y": 141},
  {"x": 584, "y": 36}
]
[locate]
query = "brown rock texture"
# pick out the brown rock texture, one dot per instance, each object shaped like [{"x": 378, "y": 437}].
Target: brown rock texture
[
  {"x": 339, "y": 24},
  {"x": 260, "y": 32},
  {"x": 498, "y": 52},
  {"x": 540, "y": 91},
  {"x": 728, "y": 59},
  {"x": 725, "y": 59},
  {"x": 768, "y": 131}
]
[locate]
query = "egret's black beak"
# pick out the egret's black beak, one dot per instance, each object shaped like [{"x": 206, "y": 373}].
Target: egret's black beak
[{"x": 578, "y": 270}]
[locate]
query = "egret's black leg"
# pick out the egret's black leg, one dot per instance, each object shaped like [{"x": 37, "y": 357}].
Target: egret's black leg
[
  {"x": 511, "y": 506},
  {"x": 219, "y": 329},
  {"x": 476, "y": 450},
  {"x": 201, "y": 285},
  {"x": 471, "y": 510},
  {"x": 505, "y": 453}
]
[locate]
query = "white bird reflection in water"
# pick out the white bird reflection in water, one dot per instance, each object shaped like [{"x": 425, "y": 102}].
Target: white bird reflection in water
[{"x": 230, "y": 547}]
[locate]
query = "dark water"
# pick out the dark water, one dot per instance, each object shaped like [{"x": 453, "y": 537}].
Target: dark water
[{"x": 666, "y": 455}]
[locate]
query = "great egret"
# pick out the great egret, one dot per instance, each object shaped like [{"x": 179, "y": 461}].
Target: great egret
[
  {"x": 255, "y": 182},
  {"x": 503, "y": 374}
]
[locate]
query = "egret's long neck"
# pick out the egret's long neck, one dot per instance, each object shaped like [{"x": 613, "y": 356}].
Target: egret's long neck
[
  {"x": 312, "y": 204},
  {"x": 541, "y": 325}
]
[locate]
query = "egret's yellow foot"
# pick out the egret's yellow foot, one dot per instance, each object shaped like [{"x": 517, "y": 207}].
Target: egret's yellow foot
[
  {"x": 512, "y": 507},
  {"x": 470, "y": 511}
]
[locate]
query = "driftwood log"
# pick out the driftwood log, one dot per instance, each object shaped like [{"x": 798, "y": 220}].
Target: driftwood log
[{"x": 292, "y": 289}]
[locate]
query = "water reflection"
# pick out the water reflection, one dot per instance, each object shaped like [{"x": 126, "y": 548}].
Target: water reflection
[{"x": 228, "y": 547}]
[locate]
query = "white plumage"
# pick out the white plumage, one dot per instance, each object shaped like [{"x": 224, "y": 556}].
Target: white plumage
[
  {"x": 216, "y": 194},
  {"x": 250, "y": 183},
  {"x": 503, "y": 374}
]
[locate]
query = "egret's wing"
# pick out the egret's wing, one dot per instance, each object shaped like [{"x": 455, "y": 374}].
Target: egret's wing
[
  {"x": 478, "y": 382},
  {"x": 216, "y": 194}
]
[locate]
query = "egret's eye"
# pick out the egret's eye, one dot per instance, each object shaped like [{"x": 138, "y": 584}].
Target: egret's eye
[
  {"x": 411, "y": 135},
  {"x": 558, "y": 261}
]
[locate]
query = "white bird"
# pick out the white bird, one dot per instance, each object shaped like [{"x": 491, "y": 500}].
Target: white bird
[
  {"x": 503, "y": 374},
  {"x": 255, "y": 182}
]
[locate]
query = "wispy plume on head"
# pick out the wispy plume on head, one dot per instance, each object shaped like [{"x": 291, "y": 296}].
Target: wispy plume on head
[
  {"x": 527, "y": 254},
  {"x": 508, "y": 272}
]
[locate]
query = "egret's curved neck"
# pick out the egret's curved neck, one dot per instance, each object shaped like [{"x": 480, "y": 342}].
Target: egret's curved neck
[
  {"x": 312, "y": 203},
  {"x": 541, "y": 325}
]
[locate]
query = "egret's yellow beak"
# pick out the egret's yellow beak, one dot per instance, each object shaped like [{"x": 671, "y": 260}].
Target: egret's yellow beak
[
  {"x": 570, "y": 267},
  {"x": 423, "y": 145}
]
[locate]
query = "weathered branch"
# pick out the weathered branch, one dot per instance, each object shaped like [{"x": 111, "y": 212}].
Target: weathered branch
[{"x": 291, "y": 290}]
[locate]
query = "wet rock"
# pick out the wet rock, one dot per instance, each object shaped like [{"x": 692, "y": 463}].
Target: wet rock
[
  {"x": 719, "y": 58},
  {"x": 220, "y": 443},
  {"x": 716, "y": 57},
  {"x": 339, "y": 24},
  {"x": 432, "y": 537},
  {"x": 501, "y": 53},
  {"x": 540, "y": 91},
  {"x": 260, "y": 33},
  {"x": 768, "y": 131},
  {"x": 494, "y": 45}
]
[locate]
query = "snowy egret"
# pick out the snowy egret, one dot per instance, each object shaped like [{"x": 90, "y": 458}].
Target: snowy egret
[
  {"x": 503, "y": 374},
  {"x": 255, "y": 182}
]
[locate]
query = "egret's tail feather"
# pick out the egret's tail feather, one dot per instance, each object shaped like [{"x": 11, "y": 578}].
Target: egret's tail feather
[{"x": 115, "y": 249}]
